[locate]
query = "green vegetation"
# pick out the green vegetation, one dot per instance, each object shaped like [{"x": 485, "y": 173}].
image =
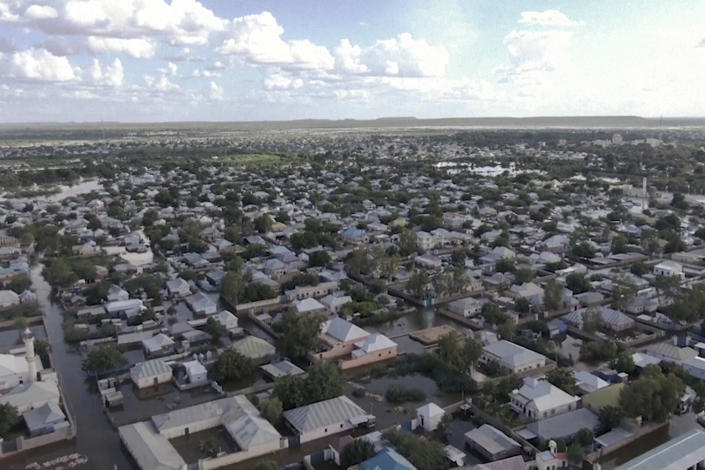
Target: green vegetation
[
  {"x": 423, "y": 454},
  {"x": 397, "y": 394},
  {"x": 298, "y": 334},
  {"x": 653, "y": 396},
  {"x": 563, "y": 379},
  {"x": 103, "y": 359},
  {"x": 9, "y": 419},
  {"x": 271, "y": 409},
  {"x": 232, "y": 366},
  {"x": 323, "y": 381},
  {"x": 356, "y": 452}
]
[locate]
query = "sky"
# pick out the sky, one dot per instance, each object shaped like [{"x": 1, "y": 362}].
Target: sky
[{"x": 245, "y": 60}]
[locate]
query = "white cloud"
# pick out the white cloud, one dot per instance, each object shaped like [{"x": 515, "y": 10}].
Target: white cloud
[
  {"x": 257, "y": 38},
  {"x": 178, "y": 22},
  {"x": 39, "y": 64},
  {"x": 41, "y": 12},
  {"x": 348, "y": 58},
  {"x": 406, "y": 56},
  {"x": 137, "y": 48},
  {"x": 215, "y": 92},
  {"x": 163, "y": 84},
  {"x": 553, "y": 18},
  {"x": 173, "y": 68},
  {"x": 531, "y": 51},
  {"x": 112, "y": 74},
  {"x": 282, "y": 81}
]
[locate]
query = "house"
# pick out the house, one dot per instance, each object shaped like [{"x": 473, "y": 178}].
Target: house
[
  {"x": 178, "y": 288},
  {"x": 551, "y": 459},
  {"x": 201, "y": 304},
  {"x": 334, "y": 303},
  {"x": 45, "y": 419},
  {"x": 150, "y": 373},
  {"x": 276, "y": 370},
  {"x": 684, "y": 451},
  {"x": 429, "y": 416},
  {"x": 8, "y": 299},
  {"x": 587, "y": 382},
  {"x": 31, "y": 395},
  {"x": 196, "y": 373},
  {"x": 387, "y": 459},
  {"x": 14, "y": 370},
  {"x": 429, "y": 261},
  {"x": 355, "y": 235},
  {"x": 467, "y": 307},
  {"x": 540, "y": 399},
  {"x": 491, "y": 443},
  {"x": 564, "y": 426},
  {"x": 116, "y": 293},
  {"x": 339, "y": 337},
  {"x": 149, "y": 441},
  {"x": 308, "y": 306},
  {"x": 376, "y": 347},
  {"x": 158, "y": 345},
  {"x": 255, "y": 348},
  {"x": 229, "y": 321},
  {"x": 529, "y": 291},
  {"x": 127, "y": 307},
  {"x": 324, "y": 418},
  {"x": 668, "y": 268},
  {"x": 512, "y": 356},
  {"x": 611, "y": 318}
]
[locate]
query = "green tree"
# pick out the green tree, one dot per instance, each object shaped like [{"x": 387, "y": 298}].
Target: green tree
[
  {"x": 610, "y": 416},
  {"x": 576, "y": 453},
  {"x": 423, "y": 454},
  {"x": 271, "y": 409},
  {"x": 585, "y": 437},
  {"x": 654, "y": 395},
  {"x": 563, "y": 378},
  {"x": 231, "y": 365},
  {"x": 103, "y": 359},
  {"x": 624, "y": 362},
  {"x": 418, "y": 283},
  {"x": 267, "y": 465},
  {"x": 552, "y": 296},
  {"x": 523, "y": 275},
  {"x": 214, "y": 328},
  {"x": 9, "y": 418},
  {"x": 356, "y": 452},
  {"x": 319, "y": 258},
  {"x": 323, "y": 381},
  {"x": 298, "y": 334},
  {"x": 407, "y": 242},
  {"x": 263, "y": 223},
  {"x": 233, "y": 286},
  {"x": 577, "y": 283},
  {"x": 622, "y": 293}
]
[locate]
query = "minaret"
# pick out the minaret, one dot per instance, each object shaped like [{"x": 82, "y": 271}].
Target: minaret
[
  {"x": 644, "y": 195},
  {"x": 28, "y": 339}
]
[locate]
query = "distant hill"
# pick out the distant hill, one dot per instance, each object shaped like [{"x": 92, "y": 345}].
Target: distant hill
[{"x": 612, "y": 122}]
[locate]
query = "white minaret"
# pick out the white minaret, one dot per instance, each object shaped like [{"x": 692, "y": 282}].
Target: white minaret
[
  {"x": 28, "y": 339},
  {"x": 644, "y": 195}
]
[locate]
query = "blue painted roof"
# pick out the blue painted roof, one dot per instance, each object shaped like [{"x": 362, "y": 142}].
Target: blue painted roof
[{"x": 387, "y": 459}]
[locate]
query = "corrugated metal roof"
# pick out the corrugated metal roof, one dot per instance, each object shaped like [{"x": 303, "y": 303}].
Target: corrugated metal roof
[{"x": 322, "y": 414}]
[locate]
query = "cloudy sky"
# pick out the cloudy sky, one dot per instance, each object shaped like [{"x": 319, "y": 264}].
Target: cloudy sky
[{"x": 165, "y": 60}]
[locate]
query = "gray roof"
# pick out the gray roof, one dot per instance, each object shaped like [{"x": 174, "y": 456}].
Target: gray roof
[
  {"x": 254, "y": 347},
  {"x": 149, "y": 448},
  {"x": 150, "y": 368},
  {"x": 343, "y": 330},
  {"x": 513, "y": 354},
  {"x": 491, "y": 439},
  {"x": 565, "y": 425},
  {"x": 282, "y": 369},
  {"x": 681, "y": 452},
  {"x": 46, "y": 414},
  {"x": 324, "y": 413}
]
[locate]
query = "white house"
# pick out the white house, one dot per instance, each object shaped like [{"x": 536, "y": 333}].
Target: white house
[
  {"x": 669, "y": 268},
  {"x": 466, "y": 307},
  {"x": 178, "y": 288},
  {"x": 538, "y": 399},
  {"x": 150, "y": 373},
  {"x": 196, "y": 372},
  {"x": 429, "y": 416},
  {"x": 324, "y": 418},
  {"x": 8, "y": 299},
  {"x": 14, "y": 370},
  {"x": 512, "y": 356}
]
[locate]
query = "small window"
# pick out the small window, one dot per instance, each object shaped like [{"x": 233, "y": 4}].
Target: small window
[{"x": 325, "y": 430}]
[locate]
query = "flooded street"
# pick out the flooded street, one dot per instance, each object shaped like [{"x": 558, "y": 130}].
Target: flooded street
[{"x": 95, "y": 438}]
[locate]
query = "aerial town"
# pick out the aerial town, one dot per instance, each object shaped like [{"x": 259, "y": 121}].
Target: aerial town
[{"x": 374, "y": 299}]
